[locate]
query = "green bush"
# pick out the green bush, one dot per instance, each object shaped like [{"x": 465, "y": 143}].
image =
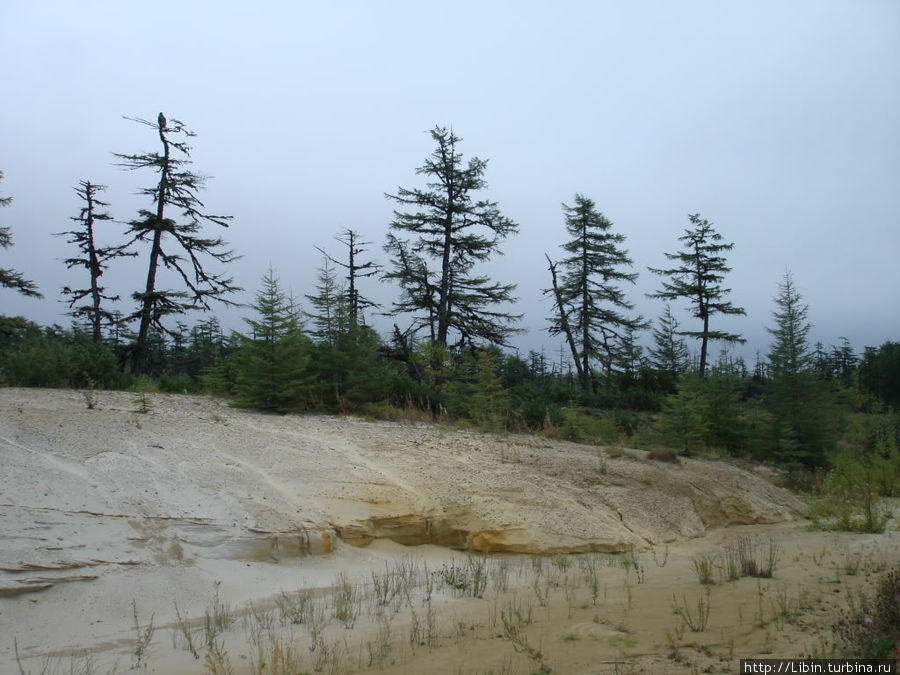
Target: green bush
[
  {"x": 871, "y": 629},
  {"x": 38, "y": 362},
  {"x": 177, "y": 383},
  {"x": 851, "y": 494}
]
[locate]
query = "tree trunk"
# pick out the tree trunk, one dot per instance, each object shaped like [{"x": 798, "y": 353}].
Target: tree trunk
[
  {"x": 140, "y": 348},
  {"x": 566, "y": 328},
  {"x": 97, "y": 334}
]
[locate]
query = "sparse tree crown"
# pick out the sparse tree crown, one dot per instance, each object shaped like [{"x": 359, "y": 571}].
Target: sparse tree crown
[
  {"x": 698, "y": 277},
  {"x": 176, "y": 245},
  {"x": 451, "y": 233}
]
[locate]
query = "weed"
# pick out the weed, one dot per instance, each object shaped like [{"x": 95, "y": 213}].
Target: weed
[
  {"x": 589, "y": 569},
  {"x": 380, "y": 650},
  {"x": 186, "y": 633},
  {"x": 217, "y": 661},
  {"x": 661, "y": 562},
  {"x": 346, "y": 602},
  {"x": 217, "y": 618},
  {"x": 871, "y": 627},
  {"x": 514, "y": 621},
  {"x": 275, "y": 658},
  {"x": 44, "y": 666},
  {"x": 704, "y": 566},
  {"x": 142, "y": 402},
  {"x": 144, "y": 636},
  {"x": 755, "y": 562},
  {"x": 90, "y": 397},
  {"x": 294, "y": 608},
  {"x": 469, "y": 579},
  {"x": 500, "y": 576},
  {"x": 698, "y": 621},
  {"x": 541, "y": 587}
]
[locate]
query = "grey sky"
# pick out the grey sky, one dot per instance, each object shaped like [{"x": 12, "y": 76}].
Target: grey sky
[{"x": 778, "y": 121}]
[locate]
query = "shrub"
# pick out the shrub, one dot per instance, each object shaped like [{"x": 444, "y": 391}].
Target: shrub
[
  {"x": 851, "y": 499},
  {"x": 871, "y": 630}
]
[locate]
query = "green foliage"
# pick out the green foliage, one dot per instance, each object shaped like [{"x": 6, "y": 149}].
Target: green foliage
[
  {"x": 10, "y": 278},
  {"x": 584, "y": 426},
  {"x": 489, "y": 399},
  {"x": 879, "y": 373},
  {"x": 179, "y": 383},
  {"x": 271, "y": 367},
  {"x": 452, "y": 232},
  {"x": 177, "y": 246},
  {"x": 349, "y": 372},
  {"x": 870, "y": 629},
  {"x": 59, "y": 359},
  {"x": 726, "y": 425},
  {"x": 590, "y": 305},
  {"x": 685, "y": 419},
  {"x": 697, "y": 278},
  {"x": 803, "y": 411},
  {"x": 851, "y": 498},
  {"x": 669, "y": 353},
  {"x": 806, "y": 421},
  {"x": 789, "y": 354}
]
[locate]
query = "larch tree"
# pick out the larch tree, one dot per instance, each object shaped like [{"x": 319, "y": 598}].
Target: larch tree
[
  {"x": 450, "y": 232},
  {"x": 10, "y": 278},
  {"x": 697, "y": 277},
  {"x": 356, "y": 270},
  {"x": 175, "y": 240},
  {"x": 591, "y": 310},
  {"x": 93, "y": 258}
]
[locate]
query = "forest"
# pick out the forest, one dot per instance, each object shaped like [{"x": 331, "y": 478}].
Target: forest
[{"x": 827, "y": 415}]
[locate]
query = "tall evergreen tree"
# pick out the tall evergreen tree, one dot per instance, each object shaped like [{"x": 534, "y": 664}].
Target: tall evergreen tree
[
  {"x": 330, "y": 316},
  {"x": 451, "y": 234},
  {"x": 698, "y": 278},
  {"x": 879, "y": 372},
  {"x": 9, "y": 278},
  {"x": 789, "y": 354},
  {"x": 93, "y": 258},
  {"x": 669, "y": 353},
  {"x": 271, "y": 366},
  {"x": 177, "y": 246},
  {"x": 589, "y": 293},
  {"x": 797, "y": 399}
]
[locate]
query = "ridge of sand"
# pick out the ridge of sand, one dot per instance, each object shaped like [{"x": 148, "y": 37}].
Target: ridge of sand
[{"x": 100, "y": 506}]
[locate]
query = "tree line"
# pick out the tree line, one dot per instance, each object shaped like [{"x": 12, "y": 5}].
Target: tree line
[{"x": 445, "y": 354}]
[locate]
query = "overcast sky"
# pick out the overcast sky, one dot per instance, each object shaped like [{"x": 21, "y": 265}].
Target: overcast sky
[{"x": 779, "y": 121}]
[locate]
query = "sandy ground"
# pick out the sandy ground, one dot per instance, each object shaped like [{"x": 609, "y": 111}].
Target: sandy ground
[{"x": 293, "y": 524}]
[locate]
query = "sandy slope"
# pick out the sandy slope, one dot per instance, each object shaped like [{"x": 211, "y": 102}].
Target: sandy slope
[{"x": 107, "y": 506}]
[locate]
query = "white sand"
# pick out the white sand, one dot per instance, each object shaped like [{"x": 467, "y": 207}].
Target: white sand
[{"x": 101, "y": 508}]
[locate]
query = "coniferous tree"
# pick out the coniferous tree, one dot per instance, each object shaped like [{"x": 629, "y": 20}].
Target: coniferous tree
[
  {"x": 331, "y": 316},
  {"x": 879, "y": 372},
  {"x": 271, "y": 365},
  {"x": 789, "y": 354},
  {"x": 669, "y": 353},
  {"x": 685, "y": 416},
  {"x": 589, "y": 293},
  {"x": 802, "y": 411},
  {"x": 356, "y": 270},
  {"x": 698, "y": 278},
  {"x": 176, "y": 246},
  {"x": 10, "y": 278},
  {"x": 452, "y": 233},
  {"x": 93, "y": 258}
]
